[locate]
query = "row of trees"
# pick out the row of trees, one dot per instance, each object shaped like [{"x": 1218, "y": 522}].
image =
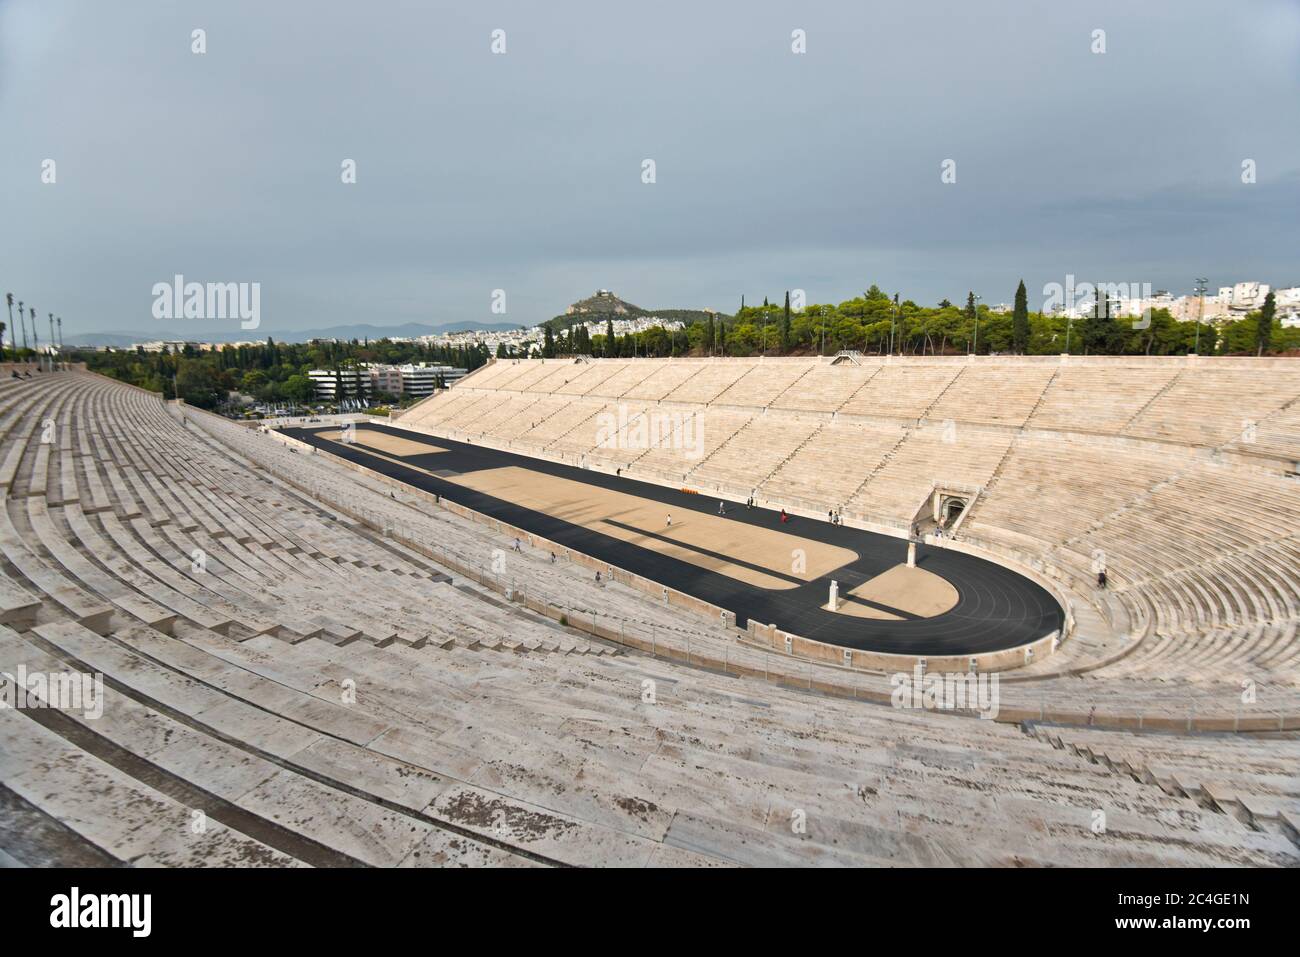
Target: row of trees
[
  {"x": 876, "y": 323},
  {"x": 270, "y": 372},
  {"x": 873, "y": 322}
]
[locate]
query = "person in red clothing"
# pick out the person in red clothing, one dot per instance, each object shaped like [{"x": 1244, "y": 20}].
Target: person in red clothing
[{"x": 784, "y": 517}]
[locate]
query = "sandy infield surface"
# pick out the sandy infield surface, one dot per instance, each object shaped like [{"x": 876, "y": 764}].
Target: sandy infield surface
[
  {"x": 383, "y": 442},
  {"x": 643, "y": 522}
]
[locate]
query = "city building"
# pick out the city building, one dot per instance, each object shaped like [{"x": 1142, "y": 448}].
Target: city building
[
  {"x": 386, "y": 379},
  {"x": 328, "y": 381},
  {"x": 413, "y": 379}
]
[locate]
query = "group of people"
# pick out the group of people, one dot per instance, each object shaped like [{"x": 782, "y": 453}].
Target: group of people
[
  {"x": 722, "y": 510},
  {"x": 833, "y": 516}
]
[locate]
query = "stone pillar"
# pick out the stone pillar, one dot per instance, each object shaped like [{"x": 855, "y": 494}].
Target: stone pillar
[
  {"x": 835, "y": 596},
  {"x": 911, "y": 554}
]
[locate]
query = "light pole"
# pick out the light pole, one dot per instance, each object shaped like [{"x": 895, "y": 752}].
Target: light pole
[
  {"x": 1200, "y": 311},
  {"x": 977, "y": 324},
  {"x": 22, "y": 321},
  {"x": 52, "y": 342},
  {"x": 9, "y": 301}
]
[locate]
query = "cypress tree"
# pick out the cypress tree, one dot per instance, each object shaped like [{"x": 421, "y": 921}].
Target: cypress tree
[
  {"x": 1020, "y": 321},
  {"x": 785, "y": 324},
  {"x": 972, "y": 315},
  {"x": 1264, "y": 327}
]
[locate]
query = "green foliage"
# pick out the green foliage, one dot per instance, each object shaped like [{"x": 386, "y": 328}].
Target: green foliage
[
  {"x": 1101, "y": 332},
  {"x": 1247, "y": 336},
  {"x": 1020, "y": 321},
  {"x": 270, "y": 372},
  {"x": 199, "y": 384},
  {"x": 1264, "y": 324}
]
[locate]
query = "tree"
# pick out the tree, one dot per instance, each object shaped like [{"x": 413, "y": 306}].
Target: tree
[
  {"x": 254, "y": 383},
  {"x": 196, "y": 384},
  {"x": 972, "y": 319},
  {"x": 363, "y": 385},
  {"x": 548, "y": 343},
  {"x": 300, "y": 389},
  {"x": 1020, "y": 321},
  {"x": 609, "y": 338},
  {"x": 1101, "y": 332},
  {"x": 785, "y": 324},
  {"x": 1264, "y": 332}
]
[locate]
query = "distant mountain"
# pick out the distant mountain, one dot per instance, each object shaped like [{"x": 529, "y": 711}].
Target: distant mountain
[
  {"x": 198, "y": 333},
  {"x": 117, "y": 340}
]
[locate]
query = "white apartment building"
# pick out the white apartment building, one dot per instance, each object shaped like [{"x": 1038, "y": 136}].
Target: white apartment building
[
  {"x": 1244, "y": 296},
  {"x": 421, "y": 380},
  {"x": 1288, "y": 306},
  {"x": 327, "y": 382},
  {"x": 167, "y": 345},
  {"x": 417, "y": 380}
]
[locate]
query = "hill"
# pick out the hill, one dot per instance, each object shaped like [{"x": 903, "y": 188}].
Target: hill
[{"x": 604, "y": 305}]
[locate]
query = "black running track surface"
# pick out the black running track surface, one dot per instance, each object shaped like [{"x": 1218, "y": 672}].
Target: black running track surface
[{"x": 996, "y": 608}]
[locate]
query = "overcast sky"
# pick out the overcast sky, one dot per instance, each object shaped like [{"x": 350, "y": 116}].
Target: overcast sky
[{"x": 523, "y": 171}]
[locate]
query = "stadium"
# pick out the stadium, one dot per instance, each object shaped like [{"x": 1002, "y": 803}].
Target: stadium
[{"x": 662, "y": 612}]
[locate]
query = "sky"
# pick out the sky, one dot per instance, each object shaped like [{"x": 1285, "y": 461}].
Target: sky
[{"x": 524, "y": 171}]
